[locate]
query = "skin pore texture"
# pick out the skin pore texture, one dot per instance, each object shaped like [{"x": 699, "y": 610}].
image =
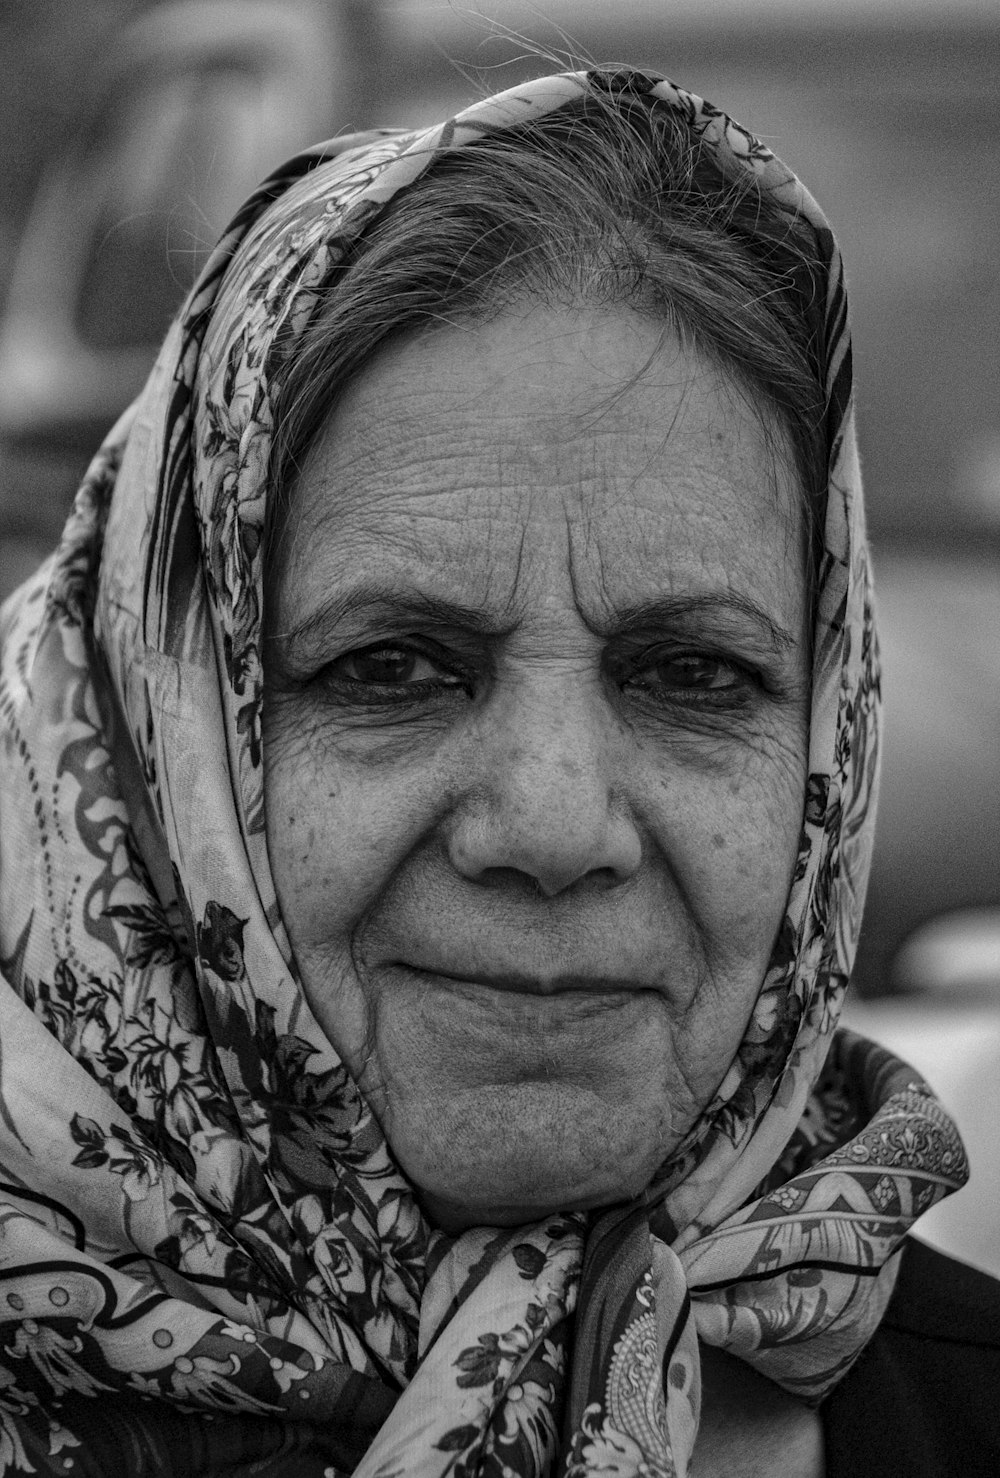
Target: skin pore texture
[{"x": 535, "y": 743}]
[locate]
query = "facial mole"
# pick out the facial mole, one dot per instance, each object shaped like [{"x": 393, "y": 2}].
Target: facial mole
[{"x": 718, "y": 840}]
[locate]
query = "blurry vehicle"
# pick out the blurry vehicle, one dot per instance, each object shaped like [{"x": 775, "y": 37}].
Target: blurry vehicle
[
  {"x": 194, "y": 103},
  {"x": 888, "y": 109}
]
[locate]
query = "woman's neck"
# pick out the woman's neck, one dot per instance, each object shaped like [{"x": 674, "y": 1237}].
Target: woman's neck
[{"x": 750, "y": 1428}]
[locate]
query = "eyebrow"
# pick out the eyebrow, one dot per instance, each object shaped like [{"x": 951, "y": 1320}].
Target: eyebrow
[
  {"x": 381, "y": 600},
  {"x": 675, "y": 610}
]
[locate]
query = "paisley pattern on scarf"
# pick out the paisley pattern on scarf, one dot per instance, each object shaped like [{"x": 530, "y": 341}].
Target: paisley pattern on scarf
[{"x": 209, "y": 1260}]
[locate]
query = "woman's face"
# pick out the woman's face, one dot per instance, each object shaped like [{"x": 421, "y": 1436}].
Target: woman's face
[{"x": 535, "y": 741}]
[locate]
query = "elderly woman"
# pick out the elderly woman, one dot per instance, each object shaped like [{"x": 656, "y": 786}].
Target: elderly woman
[{"x": 438, "y": 775}]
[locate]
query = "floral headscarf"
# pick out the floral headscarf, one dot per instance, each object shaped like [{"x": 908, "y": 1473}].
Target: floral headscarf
[{"x": 209, "y": 1260}]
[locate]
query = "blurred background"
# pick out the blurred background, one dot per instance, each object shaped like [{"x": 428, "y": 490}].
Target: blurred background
[{"x": 131, "y": 129}]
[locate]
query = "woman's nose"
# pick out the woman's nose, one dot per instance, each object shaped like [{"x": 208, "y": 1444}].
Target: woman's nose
[{"x": 545, "y": 798}]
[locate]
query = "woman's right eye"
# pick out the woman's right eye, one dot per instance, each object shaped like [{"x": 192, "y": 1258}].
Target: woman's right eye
[
  {"x": 396, "y": 672},
  {"x": 385, "y": 665}
]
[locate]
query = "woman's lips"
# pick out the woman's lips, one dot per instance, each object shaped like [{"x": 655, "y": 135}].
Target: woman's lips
[
  {"x": 516, "y": 983},
  {"x": 505, "y": 1008}
]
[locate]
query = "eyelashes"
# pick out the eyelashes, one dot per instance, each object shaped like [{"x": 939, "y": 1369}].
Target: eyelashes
[
  {"x": 391, "y": 667},
  {"x": 410, "y": 674},
  {"x": 695, "y": 680}
]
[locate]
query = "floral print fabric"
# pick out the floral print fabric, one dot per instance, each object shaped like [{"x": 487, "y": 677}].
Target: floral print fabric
[{"x": 209, "y": 1261}]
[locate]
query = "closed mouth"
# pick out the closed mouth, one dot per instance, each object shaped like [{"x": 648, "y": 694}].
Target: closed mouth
[{"x": 516, "y": 983}]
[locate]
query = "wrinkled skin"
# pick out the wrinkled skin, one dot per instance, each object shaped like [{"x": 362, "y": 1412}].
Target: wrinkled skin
[{"x": 532, "y": 854}]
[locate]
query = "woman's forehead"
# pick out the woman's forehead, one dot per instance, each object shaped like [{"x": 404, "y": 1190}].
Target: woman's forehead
[{"x": 493, "y": 463}]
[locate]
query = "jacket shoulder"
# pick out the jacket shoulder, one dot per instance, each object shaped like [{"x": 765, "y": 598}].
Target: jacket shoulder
[
  {"x": 937, "y": 1297},
  {"x": 921, "y": 1401}
]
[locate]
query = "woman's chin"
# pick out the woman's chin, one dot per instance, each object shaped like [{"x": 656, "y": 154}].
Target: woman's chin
[{"x": 506, "y": 1155}]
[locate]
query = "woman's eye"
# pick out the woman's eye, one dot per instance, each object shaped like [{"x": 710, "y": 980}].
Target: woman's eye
[
  {"x": 391, "y": 667},
  {"x": 696, "y": 672},
  {"x": 692, "y": 674}
]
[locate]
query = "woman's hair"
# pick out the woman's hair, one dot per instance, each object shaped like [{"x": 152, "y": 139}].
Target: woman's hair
[{"x": 609, "y": 202}]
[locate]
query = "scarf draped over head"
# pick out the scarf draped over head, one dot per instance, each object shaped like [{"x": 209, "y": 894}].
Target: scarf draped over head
[{"x": 209, "y": 1260}]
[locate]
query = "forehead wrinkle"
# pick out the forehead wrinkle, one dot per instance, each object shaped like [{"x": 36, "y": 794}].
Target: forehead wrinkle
[
  {"x": 404, "y": 544},
  {"x": 342, "y": 476},
  {"x": 479, "y": 540},
  {"x": 698, "y": 490},
  {"x": 611, "y": 594},
  {"x": 744, "y": 478}
]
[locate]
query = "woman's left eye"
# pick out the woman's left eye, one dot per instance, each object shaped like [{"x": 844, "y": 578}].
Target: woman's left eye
[{"x": 692, "y": 675}]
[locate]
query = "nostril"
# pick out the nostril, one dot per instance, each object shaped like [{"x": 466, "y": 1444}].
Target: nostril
[{"x": 547, "y": 853}]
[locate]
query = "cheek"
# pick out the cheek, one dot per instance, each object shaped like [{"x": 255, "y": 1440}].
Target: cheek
[
  {"x": 335, "y": 836},
  {"x": 734, "y": 865},
  {"x": 739, "y": 842}
]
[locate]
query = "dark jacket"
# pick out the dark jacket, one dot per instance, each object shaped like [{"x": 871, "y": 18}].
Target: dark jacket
[{"x": 923, "y": 1400}]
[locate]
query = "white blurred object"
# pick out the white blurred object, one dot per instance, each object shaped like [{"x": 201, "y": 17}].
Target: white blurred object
[
  {"x": 193, "y": 104},
  {"x": 958, "y": 952},
  {"x": 977, "y": 480}
]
